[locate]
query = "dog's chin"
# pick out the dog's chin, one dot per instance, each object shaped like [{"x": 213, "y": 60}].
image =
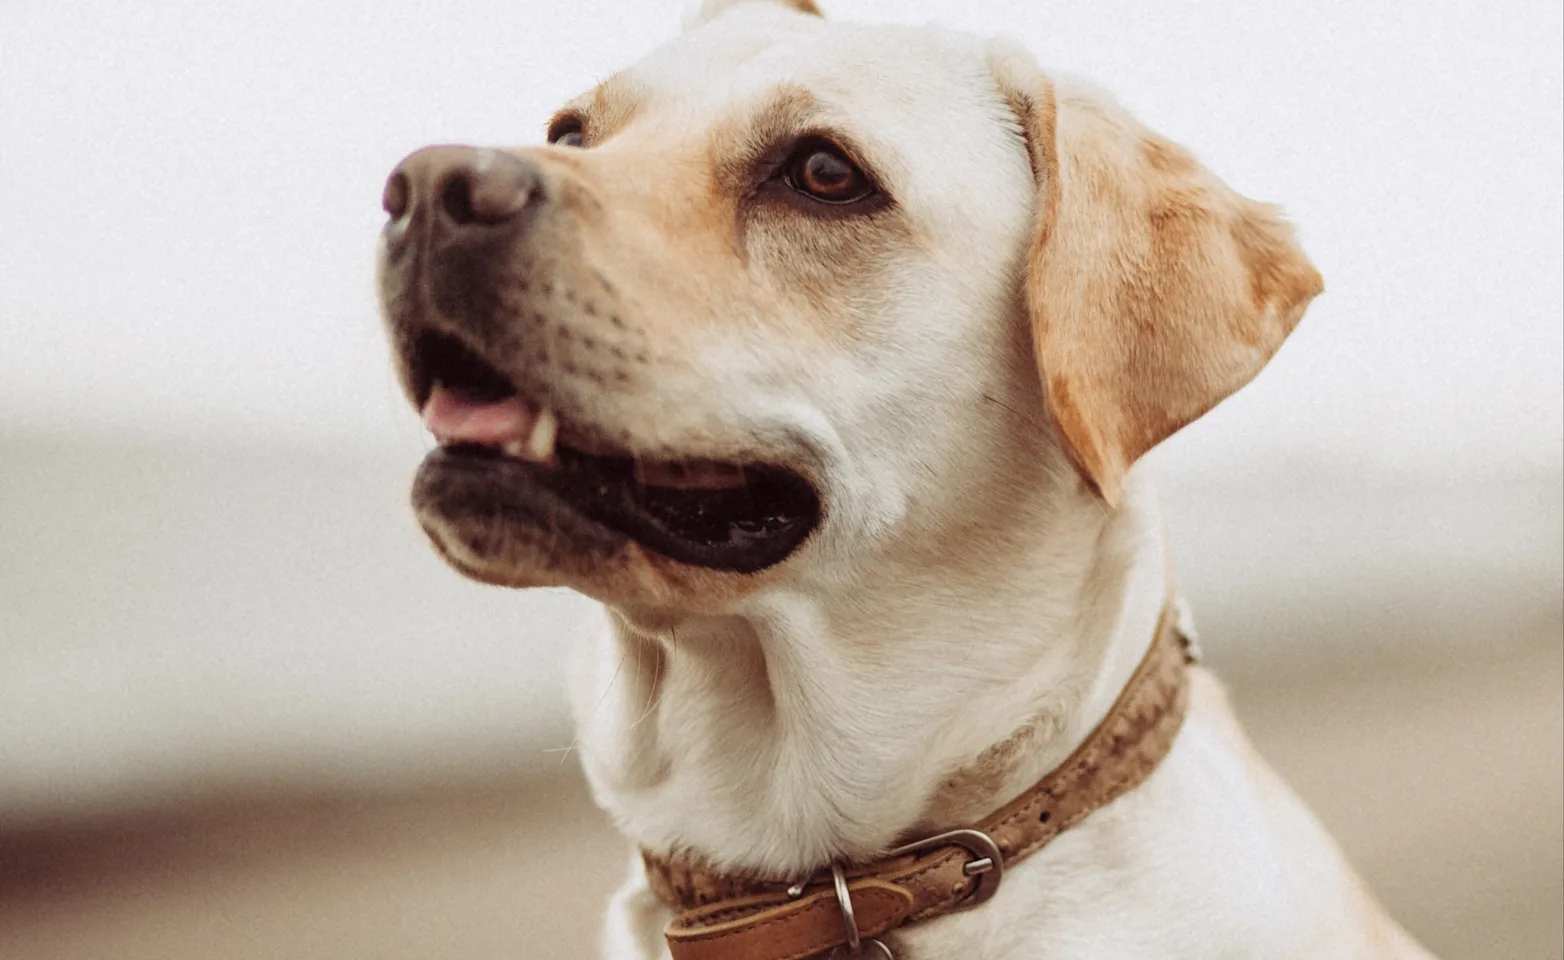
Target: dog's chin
[{"x": 590, "y": 522}]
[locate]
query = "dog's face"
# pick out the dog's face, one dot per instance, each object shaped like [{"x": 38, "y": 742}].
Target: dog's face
[{"x": 788, "y": 292}]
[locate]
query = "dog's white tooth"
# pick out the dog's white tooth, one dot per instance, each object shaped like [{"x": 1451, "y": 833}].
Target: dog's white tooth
[
  {"x": 514, "y": 448},
  {"x": 545, "y": 430}
]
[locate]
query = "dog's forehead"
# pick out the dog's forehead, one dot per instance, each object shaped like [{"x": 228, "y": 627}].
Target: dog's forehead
[{"x": 901, "y": 87}]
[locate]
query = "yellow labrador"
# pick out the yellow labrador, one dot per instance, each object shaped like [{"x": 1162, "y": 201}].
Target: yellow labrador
[{"x": 821, "y": 354}]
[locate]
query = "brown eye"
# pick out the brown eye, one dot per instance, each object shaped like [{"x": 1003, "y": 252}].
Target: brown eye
[
  {"x": 566, "y": 132},
  {"x": 821, "y": 172}
]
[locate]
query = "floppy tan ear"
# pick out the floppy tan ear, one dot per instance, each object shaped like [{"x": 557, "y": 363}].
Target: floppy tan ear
[
  {"x": 704, "y": 10},
  {"x": 1155, "y": 291}
]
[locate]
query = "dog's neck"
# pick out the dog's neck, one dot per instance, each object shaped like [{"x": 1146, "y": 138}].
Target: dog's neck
[{"x": 820, "y": 727}]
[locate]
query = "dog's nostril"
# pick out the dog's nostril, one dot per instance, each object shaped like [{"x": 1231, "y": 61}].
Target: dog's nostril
[
  {"x": 456, "y": 199},
  {"x": 395, "y": 196},
  {"x": 491, "y": 193}
]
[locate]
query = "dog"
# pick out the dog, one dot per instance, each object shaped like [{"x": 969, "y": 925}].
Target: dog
[{"x": 822, "y": 354}]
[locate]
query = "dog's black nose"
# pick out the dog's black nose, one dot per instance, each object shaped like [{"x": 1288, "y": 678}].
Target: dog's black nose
[{"x": 465, "y": 189}]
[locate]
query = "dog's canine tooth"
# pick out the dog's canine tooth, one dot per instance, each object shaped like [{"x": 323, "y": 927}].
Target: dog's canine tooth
[
  {"x": 514, "y": 448},
  {"x": 545, "y": 430}
]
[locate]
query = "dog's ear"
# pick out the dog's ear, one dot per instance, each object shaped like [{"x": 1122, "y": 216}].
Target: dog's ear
[
  {"x": 1154, "y": 290},
  {"x": 701, "y": 11}
]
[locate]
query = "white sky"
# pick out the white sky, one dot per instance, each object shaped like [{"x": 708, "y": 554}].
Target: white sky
[{"x": 189, "y": 196}]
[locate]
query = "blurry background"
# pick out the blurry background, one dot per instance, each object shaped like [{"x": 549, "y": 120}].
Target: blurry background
[{"x": 244, "y": 713}]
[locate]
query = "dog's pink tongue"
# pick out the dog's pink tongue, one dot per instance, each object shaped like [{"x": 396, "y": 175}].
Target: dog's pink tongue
[{"x": 458, "y": 419}]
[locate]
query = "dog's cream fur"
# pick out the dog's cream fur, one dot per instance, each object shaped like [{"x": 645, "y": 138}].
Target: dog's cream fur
[{"x": 969, "y": 381}]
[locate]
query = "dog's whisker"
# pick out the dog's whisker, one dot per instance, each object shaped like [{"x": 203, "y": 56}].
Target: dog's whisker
[
  {"x": 565, "y": 751},
  {"x": 655, "y": 697},
  {"x": 1021, "y": 415},
  {"x": 609, "y": 687}
]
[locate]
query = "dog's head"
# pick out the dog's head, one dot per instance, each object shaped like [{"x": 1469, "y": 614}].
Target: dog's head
[{"x": 789, "y": 293}]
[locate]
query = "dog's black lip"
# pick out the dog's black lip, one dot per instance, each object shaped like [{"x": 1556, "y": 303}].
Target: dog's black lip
[{"x": 594, "y": 491}]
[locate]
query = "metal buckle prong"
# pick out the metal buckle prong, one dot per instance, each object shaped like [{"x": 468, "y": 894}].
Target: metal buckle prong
[{"x": 976, "y": 867}]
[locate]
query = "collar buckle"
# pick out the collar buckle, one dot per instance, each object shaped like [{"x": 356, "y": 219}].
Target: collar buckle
[{"x": 987, "y": 863}]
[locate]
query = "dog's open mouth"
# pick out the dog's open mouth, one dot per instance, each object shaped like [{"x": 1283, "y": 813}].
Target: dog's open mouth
[{"x": 741, "y": 517}]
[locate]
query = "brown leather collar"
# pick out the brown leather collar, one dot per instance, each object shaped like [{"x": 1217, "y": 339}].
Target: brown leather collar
[{"x": 727, "y": 917}]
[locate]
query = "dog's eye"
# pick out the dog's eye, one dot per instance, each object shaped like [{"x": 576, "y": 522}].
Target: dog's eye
[
  {"x": 819, "y": 170},
  {"x": 567, "y": 132}
]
